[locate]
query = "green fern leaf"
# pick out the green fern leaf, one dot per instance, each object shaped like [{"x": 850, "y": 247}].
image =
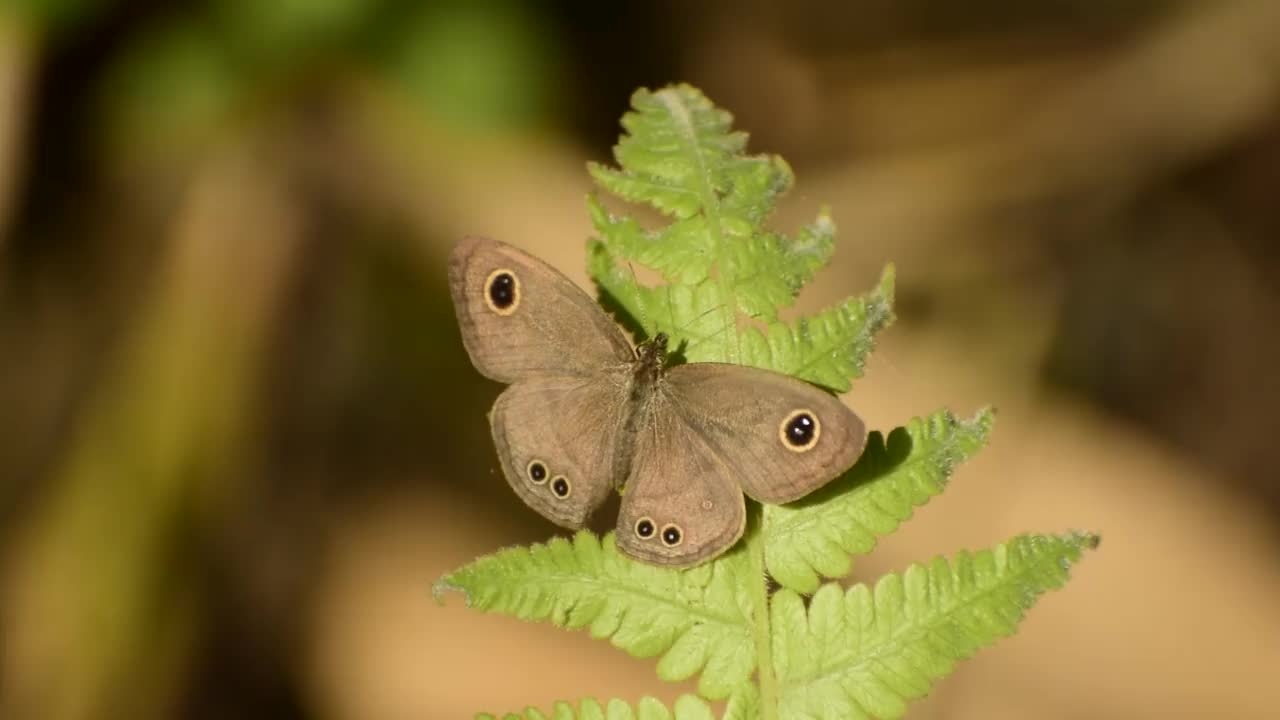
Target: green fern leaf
[
  {"x": 676, "y": 149},
  {"x": 865, "y": 653},
  {"x": 697, "y": 619},
  {"x": 743, "y": 704},
  {"x": 816, "y": 535},
  {"x": 829, "y": 348},
  {"x": 687, "y": 707},
  {"x": 681, "y": 157}
]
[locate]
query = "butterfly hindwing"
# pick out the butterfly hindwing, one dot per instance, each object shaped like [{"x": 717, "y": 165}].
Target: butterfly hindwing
[
  {"x": 681, "y": 504},
  {"x": 782, "y": 437},
  {"x": 556, "y": 438}
]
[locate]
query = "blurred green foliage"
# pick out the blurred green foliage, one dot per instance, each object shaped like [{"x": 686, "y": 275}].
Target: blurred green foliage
[
  {"x": 176, "y": 81},
  {"x": 54, "y": 13},
  {"x": 184, "y": 75},
  {"x": 282, "y": 33},
  {"x": 509, "y": 54}
]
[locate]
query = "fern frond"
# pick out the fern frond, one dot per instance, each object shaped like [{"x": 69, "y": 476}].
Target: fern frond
[
  {"x": 829, "y": 348},
  {"x": 687, "y": 707},
  {"x": 689, "y": 313},
  {"x": 816, "y": 535},
  {"x": 681, "y": 157},
  {"x": 865, "y": 653},
  {"x": 697, "y": 618},
  {"x": 677, "y": 146}
]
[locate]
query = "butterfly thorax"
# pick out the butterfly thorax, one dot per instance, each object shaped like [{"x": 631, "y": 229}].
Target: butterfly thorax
[
  {"x": 651, "y": 358},
  {"x": 646, "y": 378}
]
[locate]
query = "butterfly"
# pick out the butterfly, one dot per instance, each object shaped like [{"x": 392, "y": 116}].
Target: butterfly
[{"x": 586, "y": 414}]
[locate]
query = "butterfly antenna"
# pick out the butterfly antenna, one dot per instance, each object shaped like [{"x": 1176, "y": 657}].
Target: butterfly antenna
[{"x": 707, "y": 338}]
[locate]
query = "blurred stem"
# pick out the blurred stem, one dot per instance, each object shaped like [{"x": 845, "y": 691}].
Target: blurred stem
[
  {"x": 105, "y": 600},
  {"x": 18, "y": 48}
]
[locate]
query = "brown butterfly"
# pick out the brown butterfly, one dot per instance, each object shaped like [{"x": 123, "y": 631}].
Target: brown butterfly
[{"x": 586, "y": 414}]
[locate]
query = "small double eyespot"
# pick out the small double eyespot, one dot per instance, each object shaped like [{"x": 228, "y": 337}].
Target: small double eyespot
[
  {"x": 645, "y": 528},
  {"x": 799, "y": 431},
  {"x": 671, "y": 534},
  {"x": 539, "y": 474},
  {"x": 561, "y": 487}
]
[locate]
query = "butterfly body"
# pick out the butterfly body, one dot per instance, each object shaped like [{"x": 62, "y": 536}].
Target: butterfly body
[
  {"x": 585, "y": 414},
  {"x": 645, "y": 393}
]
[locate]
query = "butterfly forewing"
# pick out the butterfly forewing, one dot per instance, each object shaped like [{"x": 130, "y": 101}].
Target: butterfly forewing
[{"x": 521, "y": 318}]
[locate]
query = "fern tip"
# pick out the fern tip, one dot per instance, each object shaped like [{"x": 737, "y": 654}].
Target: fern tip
[
  {"x": 1088, "y": 539},
  {"x": 443, "y": 585},
  {"x": 888, "y": 281}
]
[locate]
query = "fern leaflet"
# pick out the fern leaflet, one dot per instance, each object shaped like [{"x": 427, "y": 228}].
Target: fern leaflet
[
  {"x": 864, "y": 653},
  {"x": 697, "y": 619},
  {"x": 815, "y": 536},
  {"x": 687, "y": 707}
]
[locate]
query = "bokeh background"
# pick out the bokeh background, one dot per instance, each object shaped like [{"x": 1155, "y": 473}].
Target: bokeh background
[{"x": 239, "y": 436}]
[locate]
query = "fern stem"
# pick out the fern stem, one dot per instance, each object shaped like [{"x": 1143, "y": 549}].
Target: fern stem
[
  {"x": 760, "y": 615},
  {"x": 682, "y": 117}
]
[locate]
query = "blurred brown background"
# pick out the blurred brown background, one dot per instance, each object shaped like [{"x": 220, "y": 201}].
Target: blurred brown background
[{"x": 240, "y": 437}]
